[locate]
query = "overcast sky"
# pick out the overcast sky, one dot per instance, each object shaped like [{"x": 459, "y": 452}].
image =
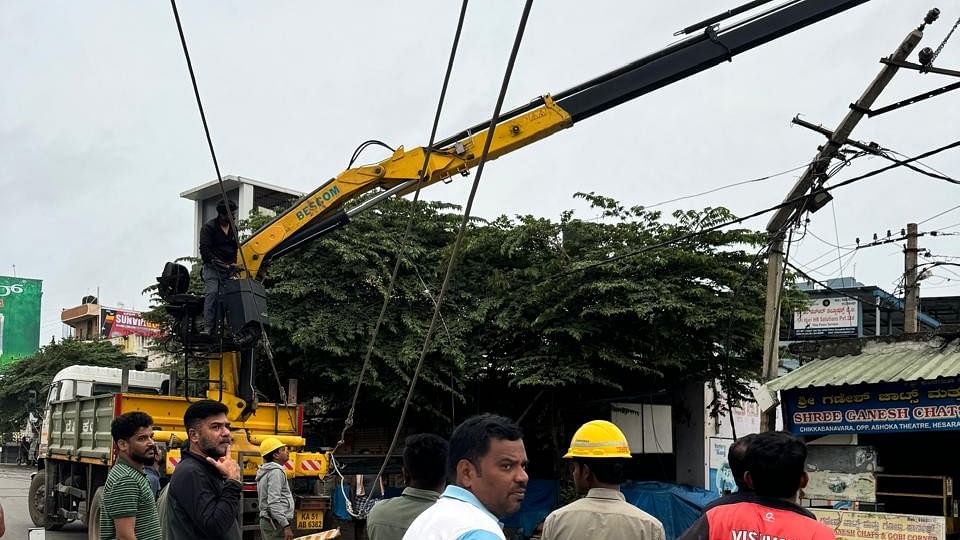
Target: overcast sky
[{"x": 99, "y": 131}]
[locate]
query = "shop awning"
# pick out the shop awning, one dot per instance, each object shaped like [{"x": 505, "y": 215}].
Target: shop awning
[{"x": 877, "y": 363}]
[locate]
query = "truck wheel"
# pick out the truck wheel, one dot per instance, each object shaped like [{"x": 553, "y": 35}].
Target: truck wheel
[
  {"x": 36, "y": 504},
  {"x": 36, "y": 499},
  {"x": 93, "y": 515}
]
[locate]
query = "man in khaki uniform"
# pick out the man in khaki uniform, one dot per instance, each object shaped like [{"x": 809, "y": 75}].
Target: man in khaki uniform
[{"x": 598, "y": 453}]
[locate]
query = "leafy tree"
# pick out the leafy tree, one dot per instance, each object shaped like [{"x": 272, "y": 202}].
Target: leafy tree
[
  {"x": 33, "y": 375},
  {"x": 542, "y": 316},
  {"x": 527, "y": 314}
]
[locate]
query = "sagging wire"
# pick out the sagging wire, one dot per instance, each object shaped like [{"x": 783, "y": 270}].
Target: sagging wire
[
  {"x": 367, "y": 502},
  {"x": 230, "y": 215},
  {"x": 464, "y": 223},
  {"x": 731, "y": 185},
  {"x": 401, "y": 246}
]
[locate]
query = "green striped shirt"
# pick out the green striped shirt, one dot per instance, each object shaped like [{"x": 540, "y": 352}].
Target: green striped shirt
[{"x": 127, "y": 494}]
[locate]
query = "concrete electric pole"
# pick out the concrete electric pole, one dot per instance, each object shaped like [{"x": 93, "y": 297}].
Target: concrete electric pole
[
  {"x": 813, "y": 177},
  {"x": 911, "y": 287}
]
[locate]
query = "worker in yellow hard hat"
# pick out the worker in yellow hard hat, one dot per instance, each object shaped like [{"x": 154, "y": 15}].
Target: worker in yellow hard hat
[
  {"x": 273, "y": 491},
  {"x": 598, "y": 455}
]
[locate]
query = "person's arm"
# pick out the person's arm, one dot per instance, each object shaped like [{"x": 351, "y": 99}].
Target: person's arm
[
  {"x": 275, "y": 502},
  {"x": 206, "y": 253},
  {"x": 661, "y": 532},
  {"x": 120, "y": 504},
  {"x": 125, "y": 527},
  {"x": 547, "y": 531}
]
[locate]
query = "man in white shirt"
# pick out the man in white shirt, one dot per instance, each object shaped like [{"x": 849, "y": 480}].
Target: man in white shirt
[{"x": 486, "y": 465}]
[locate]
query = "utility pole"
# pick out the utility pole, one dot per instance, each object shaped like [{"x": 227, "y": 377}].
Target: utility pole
[
  {"x": 771, "y": 318},
  {"x": 814, "y": 175},
  {"x": 911, "y": 287}
]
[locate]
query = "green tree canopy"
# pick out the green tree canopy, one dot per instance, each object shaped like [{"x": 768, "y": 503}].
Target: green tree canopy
[
  {"x": 35, "y": 373},
  {"x": 527, "y": 312}
]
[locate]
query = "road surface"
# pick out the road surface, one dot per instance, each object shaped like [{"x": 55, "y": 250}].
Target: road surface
[{"x": 14, "y": 484}]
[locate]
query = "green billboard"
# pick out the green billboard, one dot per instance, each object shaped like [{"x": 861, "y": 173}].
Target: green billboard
[{"x": 19, "y": 318}]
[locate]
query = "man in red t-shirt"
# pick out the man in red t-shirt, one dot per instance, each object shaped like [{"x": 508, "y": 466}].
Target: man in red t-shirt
[{"x": 775, "y": 472}]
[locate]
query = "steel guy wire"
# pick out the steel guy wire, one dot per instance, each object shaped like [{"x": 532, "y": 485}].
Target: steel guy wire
[
  {"x": 451, "y": 264},
  {"x": 230, "y": 215},
  {"x": 401, "y": 246}
]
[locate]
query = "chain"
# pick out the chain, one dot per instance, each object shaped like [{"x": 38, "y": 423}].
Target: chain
[{"x": 945, "y": 40}]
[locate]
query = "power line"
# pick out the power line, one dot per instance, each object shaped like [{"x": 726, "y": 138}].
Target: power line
[
  {"x": 230, "y": 215},
  {"x": 831, "y": 244},
  {"x": 728, "y": 186},
  {"x": 850, "y": 254},
  {"x": 784, "y": 204},
  {"x": 941, "y": 173},
  {"x": 837, "y": 291},
  {"x": 948, "y": 227},
  {"x": 935, "y": 216},
  {"x": 824, "y": 254}
]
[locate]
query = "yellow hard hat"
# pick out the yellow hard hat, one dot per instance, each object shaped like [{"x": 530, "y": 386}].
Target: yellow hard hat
[
  {"x": 598, "y": 439},
  {"x": 269, "y": 445}
]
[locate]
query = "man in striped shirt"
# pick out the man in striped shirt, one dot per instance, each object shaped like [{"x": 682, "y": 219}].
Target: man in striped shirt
[{"x": 129, "y": 510}]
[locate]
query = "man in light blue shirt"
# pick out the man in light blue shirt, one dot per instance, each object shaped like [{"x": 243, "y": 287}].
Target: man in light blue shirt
[{"x": 487, "y": 468}]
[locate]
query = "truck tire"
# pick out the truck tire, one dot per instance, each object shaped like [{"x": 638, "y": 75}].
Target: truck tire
[
  {"x": 93, "y": 515},
  {"x": 37, "y": 501}
]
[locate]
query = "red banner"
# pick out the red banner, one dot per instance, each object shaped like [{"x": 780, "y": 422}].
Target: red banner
[{"x": 118, "y": 323}]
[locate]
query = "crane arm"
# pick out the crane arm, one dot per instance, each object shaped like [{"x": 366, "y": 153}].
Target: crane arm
[
  {"x": 323, "y": 209},
  {"x": 397, "y": 175}
]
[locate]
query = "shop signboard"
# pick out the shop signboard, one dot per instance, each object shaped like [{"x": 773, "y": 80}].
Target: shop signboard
[
  {"x": 19, "y": 318},
  {"x": 119, "y": 323},
  {"x": 881, "y": 526},
  {"x": 901, "y": 407},
  {"x": 828, "y": 317}
]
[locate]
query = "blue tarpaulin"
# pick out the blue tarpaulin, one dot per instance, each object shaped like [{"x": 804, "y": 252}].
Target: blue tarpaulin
[
  {"x": 676, "y": 506},
  {"x": 540, "y": 500}
]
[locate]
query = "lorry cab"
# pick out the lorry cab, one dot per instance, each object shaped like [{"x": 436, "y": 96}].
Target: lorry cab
[{"x": 86, "y": 381}]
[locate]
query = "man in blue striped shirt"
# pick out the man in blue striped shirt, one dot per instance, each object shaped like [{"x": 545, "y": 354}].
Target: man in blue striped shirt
[{"x": 486, "y": 465}]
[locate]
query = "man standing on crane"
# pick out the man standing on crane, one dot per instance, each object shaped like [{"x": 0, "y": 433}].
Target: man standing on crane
[
  {"x": 218, "y": 251},
  {"x": 599, "y": 454},
  {"x": 487, "y": 464}
]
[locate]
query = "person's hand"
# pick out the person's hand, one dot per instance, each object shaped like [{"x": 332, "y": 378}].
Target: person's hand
[
  {"x": 287, "y": 533},
  {"x": 227, "y": 466}
]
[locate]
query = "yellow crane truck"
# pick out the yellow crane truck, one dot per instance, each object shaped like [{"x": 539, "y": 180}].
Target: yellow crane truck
[
  {"x": 74, "y": 465},
  {"x": 76, "y": 448}
]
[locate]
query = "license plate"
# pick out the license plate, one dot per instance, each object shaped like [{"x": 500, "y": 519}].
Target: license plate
[{"x": 309, "y": 519}]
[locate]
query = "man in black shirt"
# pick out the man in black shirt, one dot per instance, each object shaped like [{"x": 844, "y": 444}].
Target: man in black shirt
[
  {"x": 218, "y": 251},
  {"x": 203, "y": 497}
]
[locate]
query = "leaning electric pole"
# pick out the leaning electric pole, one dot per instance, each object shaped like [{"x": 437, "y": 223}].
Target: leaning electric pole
[{"x": 813, "y": 179}]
